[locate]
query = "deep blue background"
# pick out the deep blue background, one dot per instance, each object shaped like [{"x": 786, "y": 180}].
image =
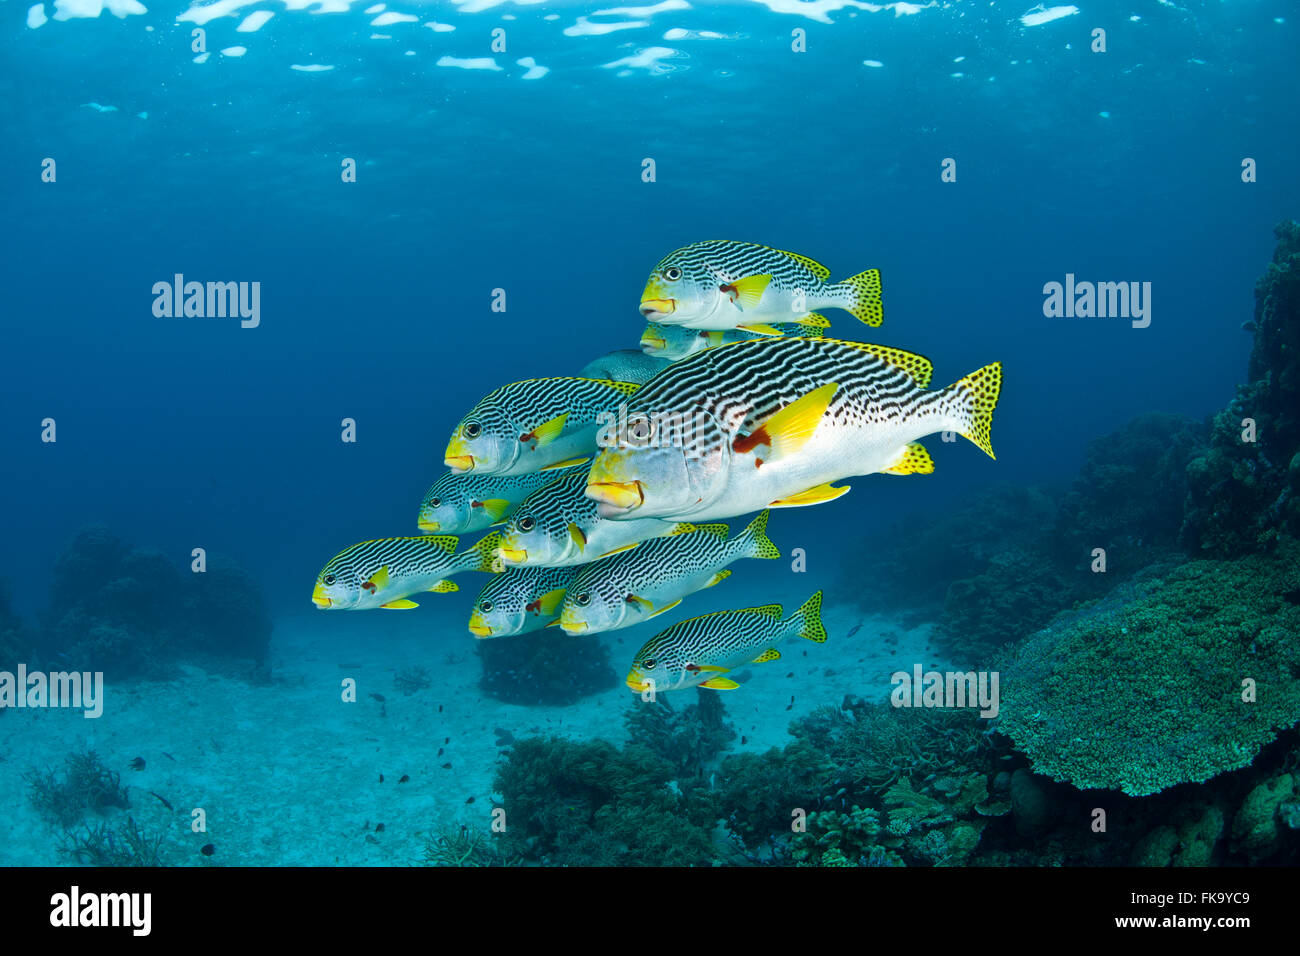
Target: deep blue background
[{"x": 375, "y": 295}]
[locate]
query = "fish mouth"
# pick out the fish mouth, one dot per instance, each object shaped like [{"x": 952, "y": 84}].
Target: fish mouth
[
  {"x": 658, "y": 308},
  {"x": 512, "y": 555},
  {"x": 428, "y": 526},
  {"x": 569, "y": 626},
  {"x": 320, "y": 598},
  {"x": 636, "y": 680},
  {"x": 653, "y": 343},
  {"x": 459, "y": 463},
  {"x": 615, "y": 497},
  {"x": 480, "y": 630}
]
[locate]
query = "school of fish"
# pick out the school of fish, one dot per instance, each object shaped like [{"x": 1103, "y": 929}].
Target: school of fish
[{"x": 603, "y": 492}]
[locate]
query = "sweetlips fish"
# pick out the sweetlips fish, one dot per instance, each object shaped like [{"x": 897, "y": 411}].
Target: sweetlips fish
[
  {"x": 463, "y": 504},
  {"x": 625, "y": 365},
  {"x": 557, "y": 526},
  {"x": 772, "y": 422},
  {"x": 532, "y": 425},
  {"x": 676, "y": 342},
  {"x": 721, "y": 284},
  {"x": 700, "y": 651},
  {"x": 386, "y": 571},
  {"x": 519, "y": 601},
  {"x": 634, "y": 586}
]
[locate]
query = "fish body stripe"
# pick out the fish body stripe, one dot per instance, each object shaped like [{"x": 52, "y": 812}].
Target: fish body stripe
[{"x": 404, "y": 557}]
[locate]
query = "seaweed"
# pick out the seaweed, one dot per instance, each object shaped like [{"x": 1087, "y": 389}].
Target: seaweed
[
  {"x": 101, "y": 844},
  {"x": 464, "y": 847}
]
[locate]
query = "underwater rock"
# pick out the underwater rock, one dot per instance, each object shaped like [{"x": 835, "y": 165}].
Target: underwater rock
[
  {"x": 1031, "y": 805},
  {"x": 1244, "y": 490},
  {"x": 1256, "y": 827},
  {"x": 1165, "y": 681},
  {"x": 544, "y": 667}
]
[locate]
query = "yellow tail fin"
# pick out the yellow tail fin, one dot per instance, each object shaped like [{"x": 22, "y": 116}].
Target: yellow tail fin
[
  {"x": 977, "y": 396},
  {"x": 809, "y": 617},
  {"x": 757, "y": 543},
  {"x": 865, "y": 294}
]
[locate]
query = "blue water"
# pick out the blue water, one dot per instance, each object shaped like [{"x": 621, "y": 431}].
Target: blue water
[{"x": 376, "y": 295}]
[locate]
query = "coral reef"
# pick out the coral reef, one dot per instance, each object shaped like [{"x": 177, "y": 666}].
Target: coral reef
[
  {"x": 1144, "y": 690},
  {"x": 690, "y": 739},
  {"x": 132, "y": 612},
  {"x": 545, "y": 667},
  {"x": 86, "y": 785},
  {"x": 591, "y": 804},
  {"x": 1244, "y": 493},
  {"x": 464, "y": 847},
  {"x": 15, "y": 642}
]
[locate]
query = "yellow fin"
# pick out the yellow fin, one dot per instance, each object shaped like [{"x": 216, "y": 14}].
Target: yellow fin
[
  {"x": 864, "y": 294},
  {"x": 978, "y": 393},
  {"x": 555, "y": 623},
  {"x": 447, "y": 542},
  {"x": 812, "y": 265},
  {"x": 626, "y": 547},
  {"x": 445, "y": 587},
  {"x": 712, "y": 667},
  {"x": 484, "y": 554},
  {"x": 666, "y": 607},
  {"x": 718, "y": 530},
  {"x": 757, "y": 543},
  {"x": 771, "y": 654},
  {"x": 768, "y": 610},
  {"x": 720, "y": 683},
  {"x": 550, "y": 601},
  {"x": 564, "y": 464},
  {"x": 497, "y": 508},
  {"x": 813, "y": 320},
  {"x": 788, "y": 430},
  {"x": 749, "y": 290},
  {"x": 547, "y": 432},
  {"x": 399, "y": 605},
  {"x": 917, "y": 366},
  {"x": 380, "y": 578},
  {"x": 813, "y": 496},
  {"x": 720, "y": 576},
  {"x": 809, "y": 617},
  {"x": 761, "y": 328},
  {"x": 682, "y": 527},
  {"x": 644, "y": 603},
  {"x": 912, "y": 460},
  {"x": 578, "y": 537}
]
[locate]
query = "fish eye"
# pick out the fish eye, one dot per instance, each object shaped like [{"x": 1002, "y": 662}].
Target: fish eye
[
  {"x": 485, "y": 607},
  {"x": 435, "y": 502},
  {"x": 639, "y": 429},
  {"x": 584, "y": 599},
  {"x": 328, "y": 580},
  {"x": 672, "y": 273},
  {"x": 527, "y": 523},
  {"x": 650, "y": 663},
  {"x": 472, "y": 429}
]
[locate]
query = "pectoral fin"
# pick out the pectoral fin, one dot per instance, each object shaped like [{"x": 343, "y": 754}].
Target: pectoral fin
[
  {"x": 549, "y": 602},
  {"x": 401, "y": 605},
  {"x": 788, "y": 430},
  {"x": 548, "y": 431},
  {"x": 578, "y": 537},
  {"x": 496, "y": 508},
  {"x": 564, "y": 464},
  {"x": 761, "y": 329},
  {"x": 813, "y": 496},
  {"x": 626, "y": 547},
  {"x": 380, "y": 578},
  {"x": 720, "y": 576},
  {"x": 747, "y": 292},
  {"x": 666, "y": 607}
]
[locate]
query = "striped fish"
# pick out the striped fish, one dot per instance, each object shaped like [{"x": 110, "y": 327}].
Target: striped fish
[
  {"x": 771, "y": 423},
  {"x": 625, "y": 365},
  {"x": 721, "y": 284},
  {"x": 700, "y": 651},
  {"x": 532, "y": 425},
  {"x": 676, "y": 342},
  {"x": 557, "y": 526},
  {"x": 464, "y": 504},
  {"x": 519, "y": 601},
  {"x": 634, "y": 586},
  {"x": 386, "y": 571}
]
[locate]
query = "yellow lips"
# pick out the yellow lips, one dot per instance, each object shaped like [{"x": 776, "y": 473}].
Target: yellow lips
[
  {"x": 319, "y": 597},
  {"x": 428, "y": 525},
  {"x": 571, "y": 626},
  {"x": 459, "y": 463},
  {"x": 512, "y": 555},
  {"x": 654, "y": 307},
  {"x": 636, "y": 680},
  {"x": 480, "y": 630},
  {"x": 620, "y": 494},
  {"x": 653, "y": 342}
]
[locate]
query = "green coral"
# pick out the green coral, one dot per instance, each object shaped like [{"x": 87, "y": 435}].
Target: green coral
[
  {"x": 1256, "y": 829},
  {"x": 690, "y": 739},
  {"x": 763, "y": 793},
  {"x": 85, "y": 785},
  {"x": 463, "y": 848},
  {"x": 1144, "y": 690},
  {"x": 589, "y": 803}
]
